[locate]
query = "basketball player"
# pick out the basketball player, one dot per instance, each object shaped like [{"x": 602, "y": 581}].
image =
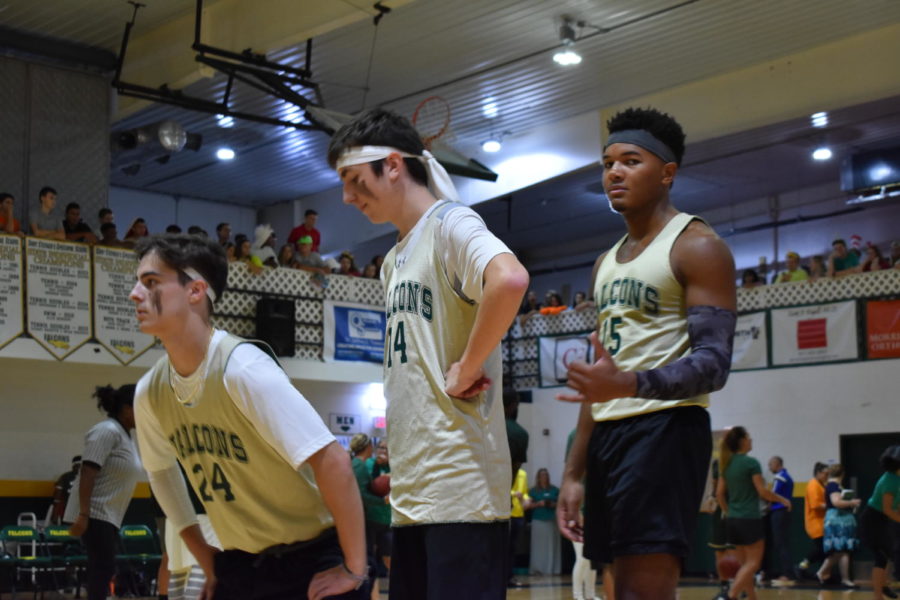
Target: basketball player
[
  {"x": 270, "y": 475},
  {"x": 665, "y": 296},
  {"x": 452, "y": 290}
]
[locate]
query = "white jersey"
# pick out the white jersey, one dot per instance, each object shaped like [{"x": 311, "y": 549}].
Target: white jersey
[
  {"x": 449, "y": 457},
  {"x": 242, "y": 442}
]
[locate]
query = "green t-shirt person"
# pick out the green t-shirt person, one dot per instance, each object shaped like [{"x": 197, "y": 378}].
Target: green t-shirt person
[
  {"x": 743, "y": 499},
  {"x": 889, "y": 483}
]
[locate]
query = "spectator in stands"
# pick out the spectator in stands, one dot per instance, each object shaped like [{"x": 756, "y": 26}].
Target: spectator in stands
[
  {"x": 554, "y": 304},
  {"x": 286, "y": 256},
  {"x": 378, "y": 260},
  {"x": 241, "y": 247},
  {"x": 873, "y": 260},
  {"x": 307, "y": 228},
  {"x": 197, "y": 230},
  {"x": 545, "y": 549},
  {"x": 137, "y": 231},
  {"x": 780, "y": 520},
  {"x": 347, "y": 265},
  {"x": 814, "y": 517},
  {"x": 840, "y": 261},
  {"x": 264, "y": 245},
  {"x": 750, "y": 279},
  {"x": 530, "y": 305},
  {"x": 792, "y": 271},
  {"x": 109, "y": 236},
  {"x": 8, "y": 223},
  {"x": 173, "y": 228},
  {"x": 110, "y": 470},
  {"x": 895, "y": 254},
  {"x": 581, "y": 302},
  {"x": 230, "y": 249},
  {"x": 370, "y": 271},
  {"x": 76, "y": 229},
  {"x": 63, "y": 489},
  {"x": 308, "y": 260},
  {"x": 105, "y": 216},
  {"x": 223, "y": 233},
  {"x": 817, "y": 268},
  {"x": 43, "y": 219},
  {"x": 840, "y": 528}
]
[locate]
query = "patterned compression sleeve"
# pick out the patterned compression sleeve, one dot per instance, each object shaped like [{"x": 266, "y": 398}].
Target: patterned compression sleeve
[{"x": 711, "y": 331}]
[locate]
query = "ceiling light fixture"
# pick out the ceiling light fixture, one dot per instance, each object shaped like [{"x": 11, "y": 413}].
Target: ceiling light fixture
[
  {"x": 226, "y": 121},
  {"x": 819, "y": 119},
  {"x": 567, "y": 56},
  {"x": 225, "y": 154},
  {"x": 492, "y": 145},
  {"x": 822, "y": 153}
]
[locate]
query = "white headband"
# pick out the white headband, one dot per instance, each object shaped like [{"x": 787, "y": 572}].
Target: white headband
[
  {"x": 439, "y": 181},
  {"x": 194, "y": 275}
]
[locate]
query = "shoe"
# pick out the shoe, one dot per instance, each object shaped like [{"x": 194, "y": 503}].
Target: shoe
[
  {"x": 888, "y": 592},
  {"x": 783, "y": 581},
  {"x": 849, "y": 585},
  {"x": 515, "y": 583},
  {"x": 804, "y": 565}
]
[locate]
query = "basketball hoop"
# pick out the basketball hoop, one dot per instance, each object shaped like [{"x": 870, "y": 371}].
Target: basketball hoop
[{"x": 432, "y": 119}]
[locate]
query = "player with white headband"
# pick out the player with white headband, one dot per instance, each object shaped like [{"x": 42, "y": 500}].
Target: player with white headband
[
  {"x": 278, "y": 489},
  {"x": 452, "y": 290}
]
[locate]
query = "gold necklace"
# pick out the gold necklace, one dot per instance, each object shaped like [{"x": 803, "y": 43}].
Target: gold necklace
[{"x": 195, "y": 384}]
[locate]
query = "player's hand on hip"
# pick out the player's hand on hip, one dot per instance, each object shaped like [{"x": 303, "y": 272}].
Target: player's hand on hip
[
  {"x": 568, "y": 510},
  {"x": 459, "y": 383},
  {"x": 600, "y": 381},
  {"x": 331, "y": 582}
]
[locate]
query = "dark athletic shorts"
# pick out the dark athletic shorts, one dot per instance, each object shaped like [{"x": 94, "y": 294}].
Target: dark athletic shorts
[
  {"x": 644, "y": 483},
  {"x": 450, "y": 561},
  {"x": 743, "y": 532},
  {"x": 718, "y": 536},
  {"x": 876, "y": 533},
  {"x": 379, "y": 539}
]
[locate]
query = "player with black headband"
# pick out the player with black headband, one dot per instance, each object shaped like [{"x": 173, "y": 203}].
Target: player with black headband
[{"x": 666, "y": 304}]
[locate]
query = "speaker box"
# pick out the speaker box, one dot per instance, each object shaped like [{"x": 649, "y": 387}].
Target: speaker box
[{"x": 275, "y": 324}]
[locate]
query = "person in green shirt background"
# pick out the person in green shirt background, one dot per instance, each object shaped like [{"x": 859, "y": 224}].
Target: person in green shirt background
[
  {"x": 545, "y": 548},
  {"x": 377, "y": 508},
  {"x": 875, "y": 522},
  {"x": 738, "y": 493}
]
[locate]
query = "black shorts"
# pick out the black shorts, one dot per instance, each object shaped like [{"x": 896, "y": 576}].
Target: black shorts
[
  {"x": 876, "y": 533},
  {"x": 644, "y": 483},
  {"x": 449, "y": 561},
  {"x": 379, "y": 538},
  {"x": 280, "y": 572},
  {"x": 718, "y": 536},
  {"x": 743, "y": 532}
]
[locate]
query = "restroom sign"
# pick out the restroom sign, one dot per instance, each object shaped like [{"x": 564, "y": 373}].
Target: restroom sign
[{"x": 343, "y": 424}]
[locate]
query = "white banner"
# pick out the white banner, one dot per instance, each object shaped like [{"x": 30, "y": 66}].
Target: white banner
[
  {"x": 557, "y": 353},
  {"x": 59, "y": 294},
  {"x": 814, "y": 334},
  {"x": 750, "y": 342},
  {"x": 115, "y": 325},
  {"x": 353, "y": 332},
  {"x": 12, "y": 322}
]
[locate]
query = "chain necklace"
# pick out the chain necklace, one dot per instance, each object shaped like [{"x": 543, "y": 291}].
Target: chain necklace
[{"x": 190, "y": 385}]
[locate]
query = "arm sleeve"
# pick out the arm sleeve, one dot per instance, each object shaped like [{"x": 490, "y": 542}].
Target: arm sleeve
[
  {"x": 283, "y": 417},
  {"x": 171, "y": 492},
  {"x": 468, "y": 248},
  {"x": 705, "y": 369}
]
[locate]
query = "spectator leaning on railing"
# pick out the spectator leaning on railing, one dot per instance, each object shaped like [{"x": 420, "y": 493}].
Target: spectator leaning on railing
[
  {"x": 8, "y": 223},
  {"x": 841, "y": 261},
  {"x": 793, "y": 271},
  {"x": 43, "y": 219}
]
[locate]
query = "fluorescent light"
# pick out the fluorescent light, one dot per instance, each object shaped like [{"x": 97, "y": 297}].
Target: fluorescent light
[
  {"x": 491, "y": 146},
  {"x": 490, "y": 109},
  {"x": 567, "y": 58},
  {"x": 819, "y": 119},
  {"x": 822, "y": 153},
  {"x": 374, "y": 398},
  {"x": 226, "y": 121},
  {"x": 225, "y": 154},
  {"x": 880, "y": 172}
]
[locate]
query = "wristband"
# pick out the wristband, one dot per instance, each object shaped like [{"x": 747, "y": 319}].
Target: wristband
[{"x": 359, "y": 579}]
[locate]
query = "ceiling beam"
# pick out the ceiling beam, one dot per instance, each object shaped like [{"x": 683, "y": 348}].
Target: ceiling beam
[{"x": 59, "y": 51}]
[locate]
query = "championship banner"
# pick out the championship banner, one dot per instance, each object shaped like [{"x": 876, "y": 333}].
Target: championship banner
[
  {"x": 115, "y": 325},
  {"x": 354, "y": 332},
  {"x": 556, "y": 353},
  {"x": 751, "y": 342},
  {"x": 814, "y": 334},
  {"x": 12, "y": 322},
  {"x": 59, "y": 294},
  {"x": 883, "y": 328}
]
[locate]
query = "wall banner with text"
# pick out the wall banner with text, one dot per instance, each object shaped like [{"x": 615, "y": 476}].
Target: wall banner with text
[
  {"x": 59, "y": 294},
  {"x": 12, "y": 314},
  {"x": 818, "y": 333},
  {"x": 353, "y": 332},
  {"x": 115, "y": 324},
  {"x": 556, "y": 353},
  {"x": 751, "y": 342},
  {"x": 883, "y": 328}
]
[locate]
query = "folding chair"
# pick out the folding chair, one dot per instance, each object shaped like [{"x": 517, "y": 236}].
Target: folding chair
[
  {"x": 66, "y": 553},
  {"x": 140, "y": 554},
  {"x": 30, "y": 555}
]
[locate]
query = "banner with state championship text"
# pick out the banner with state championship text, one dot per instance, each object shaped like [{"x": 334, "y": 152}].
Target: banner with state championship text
[
  {"x": 819, "y": 333},
  {"x": 556, "y": 353},
  {"x": 751, "y": 342},
  {"x": 353, "y": 332},
  {"x": 883, "y": 328}
]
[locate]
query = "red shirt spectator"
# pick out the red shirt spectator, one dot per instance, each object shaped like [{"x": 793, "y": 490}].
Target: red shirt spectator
[
  {"x": 308, "y": 227},
  {"x": 8, "y": 223}
]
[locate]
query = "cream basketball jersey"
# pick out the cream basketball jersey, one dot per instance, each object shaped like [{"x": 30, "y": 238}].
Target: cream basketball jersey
[
  {"x": 449, "y": 457},
  {"x": 642, "y": 318},
  {"x": 226, "y": 458}
]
